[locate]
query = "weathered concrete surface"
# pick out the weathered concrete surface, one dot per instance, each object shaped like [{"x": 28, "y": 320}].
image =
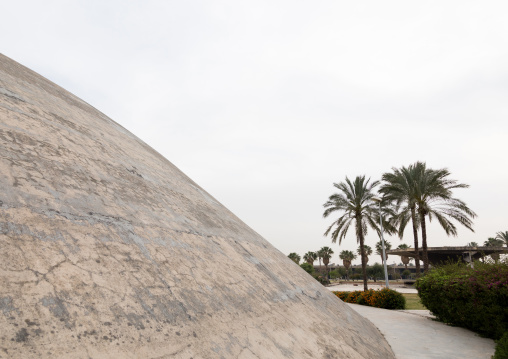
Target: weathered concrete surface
[{"x": 108, "y": 250}]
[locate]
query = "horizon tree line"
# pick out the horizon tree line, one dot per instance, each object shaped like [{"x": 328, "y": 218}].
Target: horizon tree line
[{"x": 347, "y": 256}]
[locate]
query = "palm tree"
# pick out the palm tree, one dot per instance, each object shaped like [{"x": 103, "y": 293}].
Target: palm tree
[
  {"x": 379, "y": 249},
  {"x": 320, "y": 256},
  {"x": 326, "y": 253},
  {"x": 356, "y": 201},
  {"x": 405, "y": 259},
  {"x": 310, "y": 257},
  {"x": 347, "y": 257},
  {"x": 294, "y": 257},
  {"x": 399, "y": 188},
  {"x": 431, "y": 193},
  {"x": 503, "y": 236},
  {"x": 367, "y": 250},
  {"x": 472, "y": 244},
  {"x": 493, "y": 242}
]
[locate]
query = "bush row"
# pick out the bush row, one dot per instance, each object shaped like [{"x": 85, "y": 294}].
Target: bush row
[
  {"x": 384, "y": 298},
  {"x": 474, "y": 298}
]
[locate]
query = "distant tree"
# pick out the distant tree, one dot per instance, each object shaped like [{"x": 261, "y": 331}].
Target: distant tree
[
  {"x": 294, "y": 257},
  {"x": 343, "y": 272},
  {"x": 396, "y": 274},
  {"x": 310, "y": 257},
  {"x": 493, "y": 242},
  {"x": 376, "y": 272},
  {"x": 503, "y": 236},
  {"x": 406, "y": 273},
  {"x": 356, "y": 201},
  {"x": 337, "y": 272},
  {"x": 309, "y": 268},
  {"x": 326, "y": 254},
  {"x": 320, "y": 256},
  {"x": 472, "y": 244},
  {"x": 367, "y": 251},
  {"x": 404, "y": 259},
  {"x": 347, "y": 257},
  {"x": 379, "y": 249},
  {"x": 356, "y": 276}
]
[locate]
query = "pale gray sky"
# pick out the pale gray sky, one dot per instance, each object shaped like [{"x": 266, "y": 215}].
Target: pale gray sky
[{"x": 266, "y": 103}]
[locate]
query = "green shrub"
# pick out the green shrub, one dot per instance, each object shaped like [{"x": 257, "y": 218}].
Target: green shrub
[
  {"x": 384, "y": 298},
  {"x": 376, "y": 272},
  {"x": 406, "y": 273},
  {"x": 341, "y": 295},
  {"x": 353, "y": 296},
  {"x": 502, "y": 347},
  {"x": 356, "y": 276},
  {"x": 367, "y": 297},
  {"x": 309, "y": 268},
  {"x": 321, "y": 278},
  {"x": 471, "y": 298},
  {"x": 389, "y": 299}
]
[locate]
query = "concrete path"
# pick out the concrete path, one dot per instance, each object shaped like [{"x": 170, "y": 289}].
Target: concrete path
[{"x": 413, "y": 335}]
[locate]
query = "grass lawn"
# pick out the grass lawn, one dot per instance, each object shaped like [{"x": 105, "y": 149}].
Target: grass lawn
[{"x": 413, "y": 301}]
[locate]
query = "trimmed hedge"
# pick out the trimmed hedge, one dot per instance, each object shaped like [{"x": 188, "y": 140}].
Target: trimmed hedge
[
  {"x": 476, "y": 299},
  {"x": 384, "y": 298},
  {"x": 502, "y": 347}
]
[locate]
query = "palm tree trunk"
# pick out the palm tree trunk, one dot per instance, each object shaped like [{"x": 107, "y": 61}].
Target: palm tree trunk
[
  {"x": 415, "y": 235},
  {"x": 325, "y": 262},
  {"x": 424, "y": 242},
  {"x": 362, "y": 249},
  {"x": 347, "y": 264}
]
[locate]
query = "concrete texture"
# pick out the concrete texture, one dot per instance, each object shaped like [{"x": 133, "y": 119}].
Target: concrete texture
[
  {"x": 413, "y": 335},
  {"x": 107, "y": 250}
]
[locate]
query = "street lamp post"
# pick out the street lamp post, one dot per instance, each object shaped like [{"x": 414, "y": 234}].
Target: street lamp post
[{"x": 383, "y": 242}]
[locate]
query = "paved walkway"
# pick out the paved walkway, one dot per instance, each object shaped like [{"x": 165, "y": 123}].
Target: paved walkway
[{"x": 413, "y": 335}]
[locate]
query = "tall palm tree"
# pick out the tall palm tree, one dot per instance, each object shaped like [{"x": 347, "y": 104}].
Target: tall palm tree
[
  {"x": 310, "y": 257},
  {"x": 294, "y": 257},
  {"x": 399, "y": 188},
  {"x": 326, "y": 253},
  {"x": 493, "y": 242},
  {"x": 434, "y": 199},
  {"x": 355, "y": 199},
  {"x": 367, "y": 250},
  {"x": 503, "y": 236},
  {"x": 405, "y": 259},
  {"x": 379, "y": 249},
  {"x": 347, "y": 257}
]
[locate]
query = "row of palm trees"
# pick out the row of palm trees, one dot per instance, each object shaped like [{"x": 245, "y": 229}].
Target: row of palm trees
[
  {"x": 347, "y": 256},
  {"x": 324, "y": 254},
  {"x": 410, "y": 194},
  {"x": 501, "y": 239}
]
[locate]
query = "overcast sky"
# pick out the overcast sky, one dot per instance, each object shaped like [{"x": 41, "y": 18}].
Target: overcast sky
[{"x": 266, "y": 103}]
